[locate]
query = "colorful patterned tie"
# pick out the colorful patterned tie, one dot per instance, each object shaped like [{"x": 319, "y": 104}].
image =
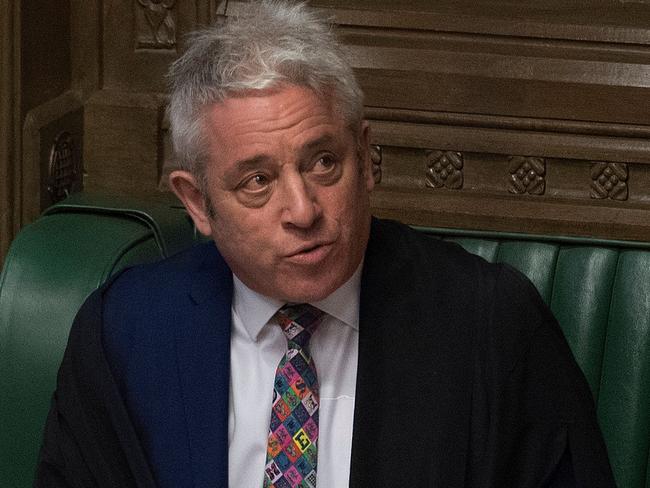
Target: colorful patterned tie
[{"x": 291, "y": 452}]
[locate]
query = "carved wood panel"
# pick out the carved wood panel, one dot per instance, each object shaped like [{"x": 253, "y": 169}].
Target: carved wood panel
[
  {"x": 569, "y": 205},
  {"x": 141, "y": 37},
  {"x": 485, "y": 115},
  {"x": 155, "y": 24}
]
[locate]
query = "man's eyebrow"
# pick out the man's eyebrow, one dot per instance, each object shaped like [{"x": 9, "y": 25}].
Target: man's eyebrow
[
  {"x": 256, "y": 161},
  {"x": 326, "y": 139},
  {"x": 243, "y": 166}
]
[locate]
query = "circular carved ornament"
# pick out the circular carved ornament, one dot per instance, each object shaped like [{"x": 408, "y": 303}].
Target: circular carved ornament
[{"x": 64, "y": 168}]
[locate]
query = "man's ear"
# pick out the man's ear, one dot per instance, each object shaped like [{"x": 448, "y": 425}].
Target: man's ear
[
  {"x": 366, "y": 161},
  {"x": 187, "y": 189}
]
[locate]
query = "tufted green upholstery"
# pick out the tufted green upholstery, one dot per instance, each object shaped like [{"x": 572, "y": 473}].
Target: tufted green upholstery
[{"x": 599, "y": 291}]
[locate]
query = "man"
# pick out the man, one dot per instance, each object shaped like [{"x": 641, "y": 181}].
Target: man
[{"x": 313, "y": 346}]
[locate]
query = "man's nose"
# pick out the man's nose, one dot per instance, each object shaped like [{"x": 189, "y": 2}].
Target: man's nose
[{"x": 300, "y": 206}]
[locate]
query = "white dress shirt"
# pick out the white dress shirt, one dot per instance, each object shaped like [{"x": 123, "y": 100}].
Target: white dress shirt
[{"x": 256, "y": 347}]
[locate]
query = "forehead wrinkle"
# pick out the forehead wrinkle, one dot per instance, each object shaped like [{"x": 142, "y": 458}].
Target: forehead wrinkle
[
  {"x": 327, "y": 139},
  {"x": 262, "y": 158},
  {"x": 253, "y": 162},
  {"x": 276, "y": 116},
  {"x": 260, "y": 140},
  {"x": 267, "y": 125}
]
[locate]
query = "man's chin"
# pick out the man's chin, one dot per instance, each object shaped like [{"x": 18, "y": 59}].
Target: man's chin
[
  {"x": 308, "y": 291},
  {"x": 306, "y": 296}
]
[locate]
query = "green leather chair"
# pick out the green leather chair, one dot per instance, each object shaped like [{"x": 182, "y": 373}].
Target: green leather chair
[
  {"x": 599, "y": 290},
  {"x": 53, "y": 264}
]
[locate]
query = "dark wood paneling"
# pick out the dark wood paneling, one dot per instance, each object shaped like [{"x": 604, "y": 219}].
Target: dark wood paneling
[
  {"x": 502, "y": 76},
  {"x": 547, "y": 86},
  {"x": 489, "y": 139},
  {"x": 523, "y": 117},
  {"x": 128, "y": 64},
  {"x": 122, "y": 144},
  {"x": 449, "y": 209},
  {"x": 141, "y": 38},
  {"x": 609, "y": 21},
  {"x": 45, "y": 51},
  {"x": 86, "y": 45},
  {"x": 9, "y": 122}
]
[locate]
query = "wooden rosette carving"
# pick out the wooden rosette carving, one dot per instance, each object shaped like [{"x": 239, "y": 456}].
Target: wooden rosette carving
[
  {"x": 527, "y": 175},
  {"x": 609, "y": 180},
  {"x": 444, "y": 169}
]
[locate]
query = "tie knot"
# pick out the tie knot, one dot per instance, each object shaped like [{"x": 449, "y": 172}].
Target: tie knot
[{"x": 299, "y": 322}]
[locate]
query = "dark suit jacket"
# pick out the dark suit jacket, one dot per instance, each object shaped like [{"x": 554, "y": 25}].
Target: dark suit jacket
[{"x": 464, "y": 378}]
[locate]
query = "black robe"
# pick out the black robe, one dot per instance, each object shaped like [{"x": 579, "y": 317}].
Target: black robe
[{"x": 464, "y": 380}]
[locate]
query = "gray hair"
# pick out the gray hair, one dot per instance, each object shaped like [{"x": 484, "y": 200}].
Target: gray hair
[{"x": 275, "y": 43}]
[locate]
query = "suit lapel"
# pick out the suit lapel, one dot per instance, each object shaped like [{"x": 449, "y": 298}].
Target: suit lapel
[{"x": 203, "y": 353}]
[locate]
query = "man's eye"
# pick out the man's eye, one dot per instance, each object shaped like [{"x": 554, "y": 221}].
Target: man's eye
[
  {"x": 256, "y": 183},
  {"x": 325, "y": 164}
]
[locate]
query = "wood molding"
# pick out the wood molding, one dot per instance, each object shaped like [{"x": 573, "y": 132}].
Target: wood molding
[
  {"x": 508, "y": 123},
  {"x": 527, "y": 214},
  {"x": 501, "y": 77},
  {"x": 490, "y": 140},
  {"x": 605, "y": 21},
  {"x": 9, "y": 122}
]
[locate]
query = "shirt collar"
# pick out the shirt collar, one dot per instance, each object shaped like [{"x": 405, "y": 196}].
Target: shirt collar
[{"x": 255, "y": 309}]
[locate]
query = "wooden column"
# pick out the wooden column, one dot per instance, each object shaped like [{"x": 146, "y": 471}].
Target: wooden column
[{"x": 9, "y": 122}]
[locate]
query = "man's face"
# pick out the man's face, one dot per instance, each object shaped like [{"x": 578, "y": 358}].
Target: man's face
[{"x": 289, "y": 187}]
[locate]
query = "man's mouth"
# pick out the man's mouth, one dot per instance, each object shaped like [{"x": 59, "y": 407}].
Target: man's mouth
[{"x": 310, "y": 254}]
